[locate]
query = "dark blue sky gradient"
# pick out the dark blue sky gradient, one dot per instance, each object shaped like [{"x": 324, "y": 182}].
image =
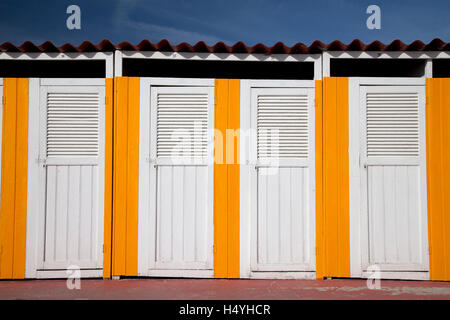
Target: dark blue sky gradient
[{"x": 251, "y": 21}]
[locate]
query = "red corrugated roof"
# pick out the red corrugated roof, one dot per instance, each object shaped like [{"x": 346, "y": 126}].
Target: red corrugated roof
[{"x": 238, "y": 47}]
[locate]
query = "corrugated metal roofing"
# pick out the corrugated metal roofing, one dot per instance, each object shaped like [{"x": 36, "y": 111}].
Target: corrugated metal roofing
[{"x": 220, "y": 47}]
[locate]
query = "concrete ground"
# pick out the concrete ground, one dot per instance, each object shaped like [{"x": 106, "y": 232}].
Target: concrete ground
[{"x": 201, "y": 289}]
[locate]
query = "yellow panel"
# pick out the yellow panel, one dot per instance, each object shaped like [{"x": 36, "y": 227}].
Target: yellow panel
[
  {"x": 233, "y": 178},
  {"x": 438, "y": 176},
  {"x": 336, "y": 236},
  {"x": 20, "y": 223},
  {"x": 220, "y": 181},
  {"x": 319, "y": 181},
  {"x": 13, "y": 213},
  {"x": 132, "y": 177},
  {"x": 8, "y": 179},
  {"x": 226, "y": 179},
  {"x": 125, "y": 182}
]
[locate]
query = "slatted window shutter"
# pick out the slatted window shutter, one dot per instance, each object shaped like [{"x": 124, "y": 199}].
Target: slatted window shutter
[
  {"x": 392, "y": 124},
  {"x": 282, "y": 124},
  {"x": 182, "y": 124},
  {"x": 72, "y": 124}
]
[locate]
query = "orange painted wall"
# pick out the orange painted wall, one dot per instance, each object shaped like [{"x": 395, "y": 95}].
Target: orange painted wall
[
  {"x": 438, "y": 176},
  {"x": 125, "y": 176},
  {"x": 319, "y": 180},
  {"x": 13, "y": 210},
  {"x": 226, "y": 179},
  {"x": 332, "y": 217}
]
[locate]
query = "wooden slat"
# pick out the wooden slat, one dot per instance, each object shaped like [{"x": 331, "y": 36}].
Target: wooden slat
[
  {"x": 14, "y": 179},
  {"x": 233, "y": 180},
  {"x": 125, "y": 182},
  {"x": 319, "y": 181},
  {"x": 335, "y": 179},
  {"x": 132, "y": 177},
  {"x": 220, "y": 181},
  {"x": 438, "y": 176}
]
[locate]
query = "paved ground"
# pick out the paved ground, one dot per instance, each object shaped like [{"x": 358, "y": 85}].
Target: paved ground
[{"x": 180, "y": 289}]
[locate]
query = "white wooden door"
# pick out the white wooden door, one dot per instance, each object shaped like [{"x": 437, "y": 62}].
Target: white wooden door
[
  {"x": 393, "y": 178},
  {"x": 282, "y": 220},
  {"x": 180, "y": 211},
  {"x": 71, "y": 157}
]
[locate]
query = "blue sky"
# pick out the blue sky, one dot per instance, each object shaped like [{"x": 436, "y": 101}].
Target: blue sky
[{"x": 251, "y": 21}]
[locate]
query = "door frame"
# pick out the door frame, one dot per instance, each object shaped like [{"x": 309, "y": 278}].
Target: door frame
[
  {"x": 147, "y": 211},
  {"x": 247, "y": 176},
  {"x": 358, "y": 220},
  {"x": 36, "y": 174}
]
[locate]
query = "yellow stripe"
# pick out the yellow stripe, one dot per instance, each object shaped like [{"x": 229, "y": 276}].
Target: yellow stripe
[
  {"x": 125, "y": 183},
  {"x": 220, "y": 181},
  {"x": 335, "y": 178},
  {"x": 319, "y": 181},
  {"x": 233, "y": 178},
  {"x": 226, "y": 179},
  {"x": 438, "y": 176},
  {"x": 14, "y": 179}
]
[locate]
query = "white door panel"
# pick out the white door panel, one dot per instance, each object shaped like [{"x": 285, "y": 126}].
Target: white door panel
[
  {"x": 72, "y": 174},
  {"x": 393, "y": 178},
  {"x": 182, "y": 216},
  {"x": 283, "y": 226},
  {"x": 283, "y": 204},
  {"x": 176, "y": 179}
]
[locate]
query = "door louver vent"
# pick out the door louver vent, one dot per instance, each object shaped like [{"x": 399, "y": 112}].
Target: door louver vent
[
  {"x": 72, "y": 124},
  {"x": 282, "y": 123},
  {"x": 392, "y": 124},
  {"x": 182, "y": 123}
]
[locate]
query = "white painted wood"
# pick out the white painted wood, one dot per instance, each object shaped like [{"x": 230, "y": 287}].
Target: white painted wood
[
  {"x": 277, "y": 233},
  {"x": 404, "y": 275},
  {"x": 220, "y": 56},
  {"x": 388, "y": 54},
  {"x": 62, "y": 274},
  {"x": 354, "y": 178},
  {"x": 283, "y": 275},
  {"x": 65, "y": 204},
  {"x": 388, "y": 211},
  {"x": 35, "y": 203},
  {"x": 72, "y": 82},
  {"x": 180, "y": 273},
  {"x": 175, "y": 198},
  {"x": 118, "y": 61},
  {"x": 245, "y": 173}
]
